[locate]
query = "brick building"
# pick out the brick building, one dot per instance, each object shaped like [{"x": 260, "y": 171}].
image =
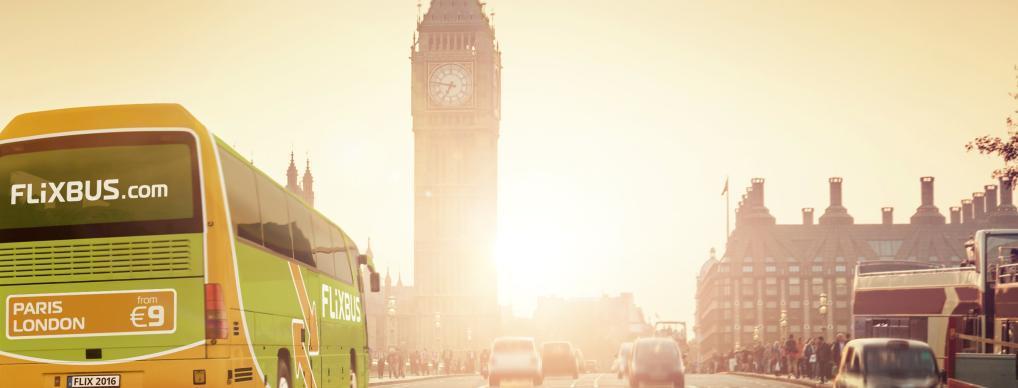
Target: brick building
[{"x": 771, "y": 278}]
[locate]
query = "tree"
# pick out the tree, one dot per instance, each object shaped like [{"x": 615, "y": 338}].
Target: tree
[{"x": 1006, "y": 147}]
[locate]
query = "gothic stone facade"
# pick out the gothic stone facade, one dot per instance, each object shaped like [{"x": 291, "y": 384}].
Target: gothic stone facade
[{"x": 770, "y": 270}]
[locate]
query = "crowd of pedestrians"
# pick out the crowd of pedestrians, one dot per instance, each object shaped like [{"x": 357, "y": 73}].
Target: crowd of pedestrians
[
  {"x": 400, "y": 363},
  {"x": 814, "y": 358}
]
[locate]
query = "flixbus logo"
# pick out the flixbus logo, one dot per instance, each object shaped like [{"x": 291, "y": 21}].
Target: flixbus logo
[{"x": 79, "y": 191}]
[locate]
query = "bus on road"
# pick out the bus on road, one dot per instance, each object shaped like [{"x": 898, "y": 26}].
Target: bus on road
[{"x": 138, "y": 250}]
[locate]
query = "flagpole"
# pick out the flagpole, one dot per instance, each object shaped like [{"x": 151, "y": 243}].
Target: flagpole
[{"x": 728, "y": 212}]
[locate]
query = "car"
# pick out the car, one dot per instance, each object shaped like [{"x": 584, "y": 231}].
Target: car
[
  {"x": 514, "y": 358},
  {"x": 887, "y": 362},
  {"x": 621, "y": 365},
  {"x": 656, "y": 361},
  {"x": 558, "y": 359}
]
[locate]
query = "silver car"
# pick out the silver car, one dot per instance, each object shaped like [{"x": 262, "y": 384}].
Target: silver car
[{"x": 887, "y": 362}]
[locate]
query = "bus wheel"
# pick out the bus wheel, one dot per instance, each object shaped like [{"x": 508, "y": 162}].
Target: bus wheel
[{"x": 283, "y": 370}]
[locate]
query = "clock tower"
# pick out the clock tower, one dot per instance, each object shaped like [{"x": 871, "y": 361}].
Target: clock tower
[{"x": 455, "y": 89}]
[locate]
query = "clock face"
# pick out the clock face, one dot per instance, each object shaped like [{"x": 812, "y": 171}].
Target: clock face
[{"x": 450, "y": 85}]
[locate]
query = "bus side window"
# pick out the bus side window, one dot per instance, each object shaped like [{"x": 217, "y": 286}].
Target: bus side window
[
  {"x": 275, "y": 221},
  {"x": 243, "y": 197},
  {"x": 300, "y": 229},
  {"x": 322, "y": 247},
  {"x": 343, "y": 271}
]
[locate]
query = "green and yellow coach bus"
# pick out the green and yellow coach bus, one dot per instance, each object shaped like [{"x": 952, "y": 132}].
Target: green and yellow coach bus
[{"x": 138, "y": 250}]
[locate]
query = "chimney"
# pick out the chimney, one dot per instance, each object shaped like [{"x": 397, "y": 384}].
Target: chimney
[
  {"x": 1006, "y": 190},
  {"x": 1006, "y": 213},
  {"x": 978, "y": 206},
  {"x": 807, "y": 216},
  {"x": 991, "y": 199},
  {"x": 755, "y": 213},
  {"x": 966, "y": 211},
  {"x": 835, "y": 186},
  {"x": 888, "y": 215},
  {"x": 836, "y": 214},
  {"x": 955, "y": 215},
  {"x": 927, "y": 213},
  {"x": 758, "y": 191}
]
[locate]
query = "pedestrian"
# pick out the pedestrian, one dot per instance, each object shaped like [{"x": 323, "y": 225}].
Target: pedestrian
[
  {"x": 792, "y": 356},
  {"x": 810, "y": 353},
  {"x": 823, "y": 360},
  {"x": 381, "y": 365}
]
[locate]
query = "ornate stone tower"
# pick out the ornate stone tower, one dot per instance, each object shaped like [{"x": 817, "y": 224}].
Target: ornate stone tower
[{"x": 456, "y": 89}]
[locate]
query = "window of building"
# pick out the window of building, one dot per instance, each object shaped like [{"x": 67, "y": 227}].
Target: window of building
[
  {"x": 841, "y": 281},
  {"x": 768, "y": 259},
  {"x": 796, "y": 329},
  {"x": 772, "y": 329},
  {"x": 818, "y": 268},
  {"x": 793, "y": 281},
  {"x": 885, "y": 249},
  {"x": 841, "y": 304},
  {"x": 771, "y": 291},
  {"x": 747, "y": 304},
  {"x": 795, "y": 290},
  {"x": 817, "y": 281},
  {"x": 818, "y": 259},
  {"x": 841, "y": 289},
  {"x": 793, "y": 268},
  {"x": 747, "y": 281},
  {"x": 726, "y": 290},
  {"x": 747, "y": 291},
  {"x": 747, "y": 329},
  {"x": 771, "y": 269},
  {"x": 747, "y": 268},
  {"x": 726, "y": 314},
  {"x": 772, "y": 304},
  {"x": 771, "y": 280},
  {"x": 842, "y": 328},
  {"x": 840, "y": 268},
  {"x": 723, "y": 268},
  {"x": 817, "y": 290},
  {"x": 794, "y": 304},
  {"x": 839, "y": 259}
]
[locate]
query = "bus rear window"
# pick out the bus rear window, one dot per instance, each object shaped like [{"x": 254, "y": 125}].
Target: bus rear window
[{"x": 99, "y": 185}]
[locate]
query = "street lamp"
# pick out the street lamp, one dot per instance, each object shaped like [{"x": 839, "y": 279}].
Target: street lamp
[
  {"x": 823, "y": 304},
  {"x": 783, "y": 322}
]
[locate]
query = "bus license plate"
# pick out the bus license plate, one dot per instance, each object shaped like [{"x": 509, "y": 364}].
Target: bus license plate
[{"x": 97, "y": 381}]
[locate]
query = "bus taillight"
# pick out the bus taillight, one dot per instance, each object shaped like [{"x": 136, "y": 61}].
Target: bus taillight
[{"x": 215, "y": 312}]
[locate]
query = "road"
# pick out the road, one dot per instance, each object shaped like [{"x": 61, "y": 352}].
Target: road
[{"x": 599, "y": 381}]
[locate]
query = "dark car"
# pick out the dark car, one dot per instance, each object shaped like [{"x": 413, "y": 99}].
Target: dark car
[
  {"x": 558, "y": 359},
  {"x": 656, "y": 361}
]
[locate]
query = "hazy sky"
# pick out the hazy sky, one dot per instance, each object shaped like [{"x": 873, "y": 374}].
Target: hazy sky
[{"x": 621, "y": 118}]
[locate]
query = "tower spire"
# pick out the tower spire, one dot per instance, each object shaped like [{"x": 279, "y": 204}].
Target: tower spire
[
  {"x": 308, "y": 185},
  {"x": 291, "y": 176}
]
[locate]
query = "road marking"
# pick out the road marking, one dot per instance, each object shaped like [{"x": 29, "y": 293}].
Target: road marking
[
  {"x": 597, "y": 380},
  {"x": 577, "y": 381}
]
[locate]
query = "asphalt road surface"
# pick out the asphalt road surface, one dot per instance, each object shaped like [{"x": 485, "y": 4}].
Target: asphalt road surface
[{"x": 598, "y": 381}]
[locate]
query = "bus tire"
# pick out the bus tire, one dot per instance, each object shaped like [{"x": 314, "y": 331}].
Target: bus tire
[{"x": 283, "y": 371}]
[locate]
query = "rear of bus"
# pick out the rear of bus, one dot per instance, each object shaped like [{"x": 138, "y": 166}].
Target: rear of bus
[{"x": 102, "y": 264}]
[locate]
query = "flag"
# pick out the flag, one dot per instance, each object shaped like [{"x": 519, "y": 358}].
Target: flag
[{"x": 725, "y": 190}]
